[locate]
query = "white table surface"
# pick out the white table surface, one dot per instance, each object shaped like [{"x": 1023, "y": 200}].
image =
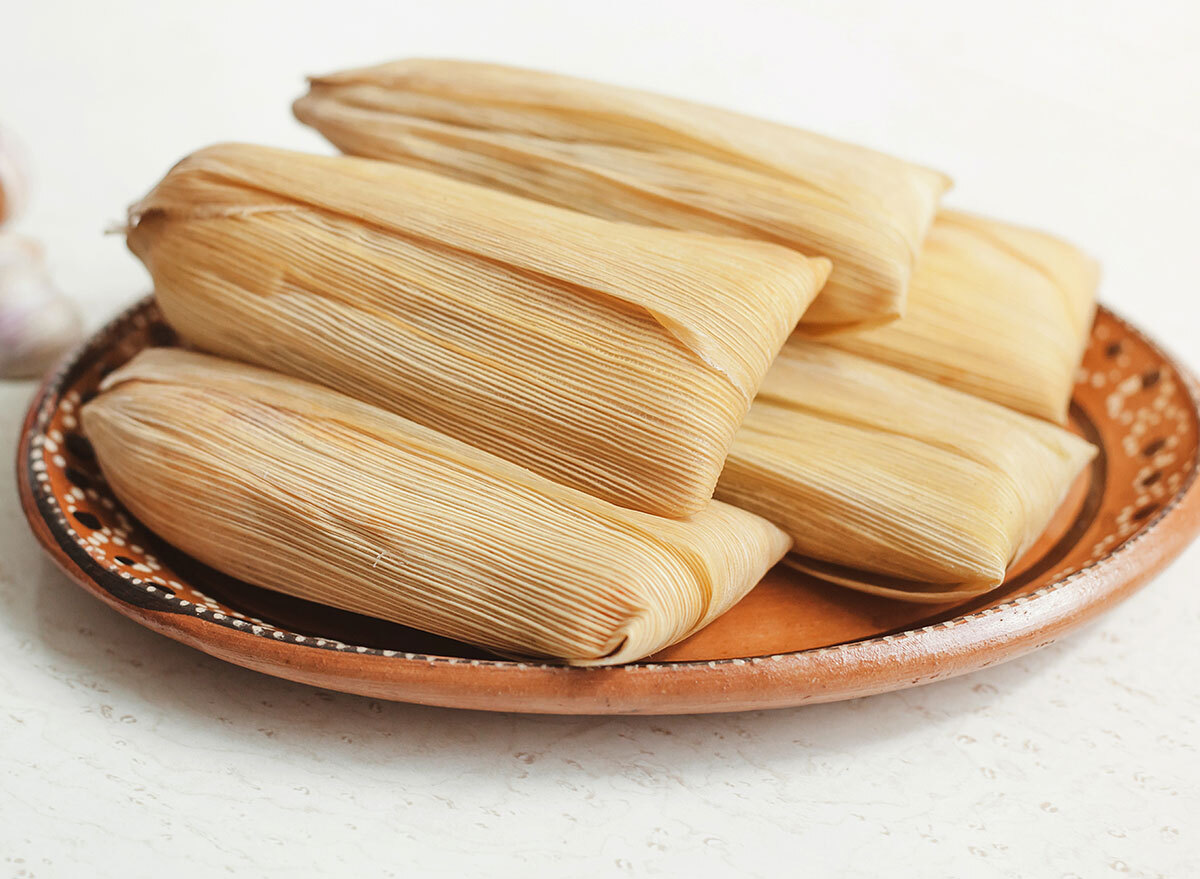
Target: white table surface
[{"x": 122, "y": 753}]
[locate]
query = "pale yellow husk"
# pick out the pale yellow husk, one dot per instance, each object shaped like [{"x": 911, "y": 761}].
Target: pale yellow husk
[
  {"x": 996, "y": 310},
  {"x": 630, "y": 155},
  {"x": 615, "y": 358},
  {"x": 892, "y": 483},
  {"x": 297, "y": 488}
]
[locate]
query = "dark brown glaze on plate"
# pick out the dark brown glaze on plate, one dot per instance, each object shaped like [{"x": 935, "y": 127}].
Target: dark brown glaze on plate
[{"x": 791, "y": 641}]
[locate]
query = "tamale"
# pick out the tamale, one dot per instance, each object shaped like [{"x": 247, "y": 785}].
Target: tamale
[
  {"x": 630, "y": 155},
  {"x": 894, "y": 484},
  {"x": 615, "y": 358},
  {"x": 294, "y": 487},
  {"x": 995, "y": 310}
]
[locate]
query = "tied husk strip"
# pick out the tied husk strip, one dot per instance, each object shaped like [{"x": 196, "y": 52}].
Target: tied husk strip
[
  {"x": 507, "y": 323},
  {"x": 996, "y": 310},
  {"x": 294, "y": 487},
  {"x": 629, "y": 155},
  {"x": 926, "y": 492}
]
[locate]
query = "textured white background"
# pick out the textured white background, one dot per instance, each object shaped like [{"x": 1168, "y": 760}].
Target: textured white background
[{"x": 122, "y": 753}]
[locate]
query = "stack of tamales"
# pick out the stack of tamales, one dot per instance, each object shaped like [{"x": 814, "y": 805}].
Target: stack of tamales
[{"x": 503, "y": 358}]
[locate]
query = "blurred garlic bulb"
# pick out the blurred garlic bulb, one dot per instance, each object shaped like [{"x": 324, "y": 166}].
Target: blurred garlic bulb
[
  {"x": 14, "y": 187},
  {"x": 37, "y": 323}
]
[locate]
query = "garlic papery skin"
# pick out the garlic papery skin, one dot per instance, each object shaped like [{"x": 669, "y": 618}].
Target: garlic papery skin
[
  {"x": 14, "y": 181},
  {"x": 37, "y": 323}
]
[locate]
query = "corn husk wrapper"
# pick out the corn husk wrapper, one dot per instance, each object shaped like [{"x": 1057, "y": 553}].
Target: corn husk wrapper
[
  {"x": 891, "y": 483},
  {"x": 644, "y": 158},
  {"x": 614, "y": 358},
  {"x": 996, "y": 310},
  {"x": 297, "y": 488}
]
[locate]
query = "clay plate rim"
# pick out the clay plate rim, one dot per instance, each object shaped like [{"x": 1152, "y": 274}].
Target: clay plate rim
[{"x": 858, "y": 668}]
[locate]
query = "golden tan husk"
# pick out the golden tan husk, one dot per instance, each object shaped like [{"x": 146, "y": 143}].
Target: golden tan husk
[
  {"x": 294, "y": 487},
  {"x": 996, "y": 310},
  {"x": 629, "y": 155},
  {"x": 894, "y": 484},
  {"x": 615, "y": 358}
]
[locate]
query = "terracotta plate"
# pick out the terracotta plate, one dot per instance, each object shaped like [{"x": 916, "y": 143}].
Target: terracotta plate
[{"x": 792, "y": 640}]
